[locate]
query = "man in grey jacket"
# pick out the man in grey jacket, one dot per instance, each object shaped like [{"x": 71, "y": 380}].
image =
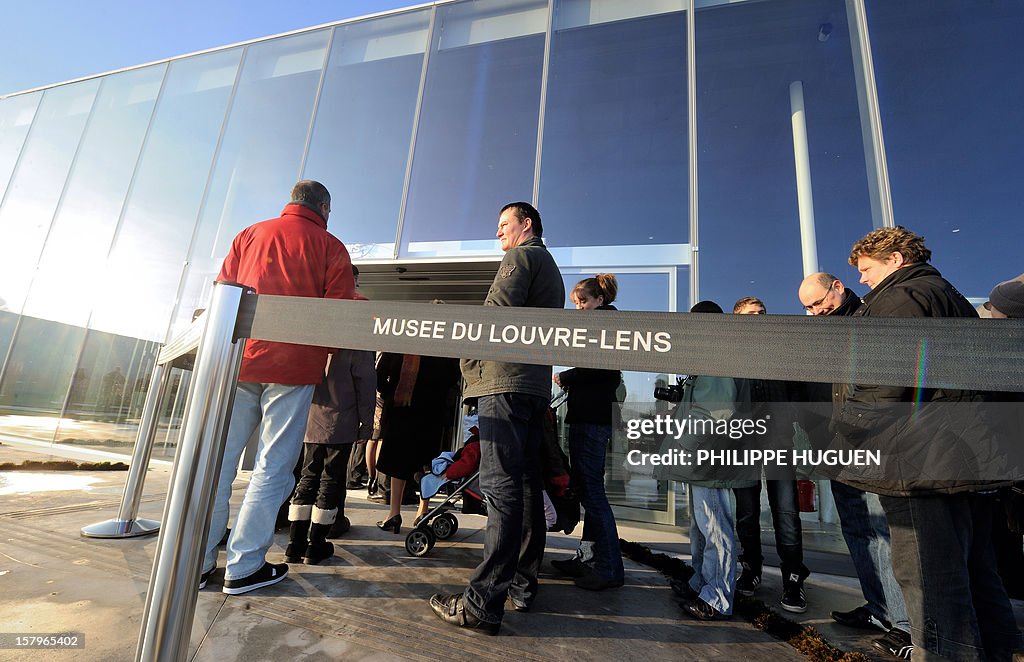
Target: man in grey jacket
[{"x": 512, "y": 399}]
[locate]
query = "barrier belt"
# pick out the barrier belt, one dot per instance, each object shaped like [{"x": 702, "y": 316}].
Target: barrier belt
[{"x": 981, "y": 354}]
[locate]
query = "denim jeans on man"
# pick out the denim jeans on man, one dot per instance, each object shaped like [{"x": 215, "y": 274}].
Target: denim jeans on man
[
  {"x": 511, "y": 428},
  {"x": 587, "y": 446},
  {"x": 782, "y": 499},
  {"x": 942, "y": 557},
  {"x": 280, "y": 412},
  {"x": 866, "y": 532},
  {"x": 713, "y": 546}
]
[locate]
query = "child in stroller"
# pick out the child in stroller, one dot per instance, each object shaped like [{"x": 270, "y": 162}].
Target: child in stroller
[{"x": 458, "y": 474}]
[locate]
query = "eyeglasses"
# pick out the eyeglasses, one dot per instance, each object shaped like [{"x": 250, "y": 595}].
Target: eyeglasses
[{"x": 810, "y": 307}]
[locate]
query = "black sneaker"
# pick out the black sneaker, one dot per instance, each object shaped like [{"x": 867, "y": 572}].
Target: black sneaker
[
  {"x": 861, "y": 618},
  {"x": 270, "y": 573},
  {"x": 896, "y": 643},
  {"x": 702, "y": 611},
  {"x": 793, "y": 599},
  {"x": 204, "y": 578},
  {"x": 749, "y": 580},
  {"x": 592, "y": 581},
  {"x": 683, "y": 591},
  {"x": 571, "y": 567},
  {"x": 451, "y": 609}
]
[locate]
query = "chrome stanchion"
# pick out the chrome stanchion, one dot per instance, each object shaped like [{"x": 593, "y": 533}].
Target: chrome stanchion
[
  {"x": 171, "y": 601},
  {"x": 126, "y": 524}
]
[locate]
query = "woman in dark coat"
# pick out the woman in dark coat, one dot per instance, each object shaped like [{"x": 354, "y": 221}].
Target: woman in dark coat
[
  {"x": 417, "y": 394},
  {"x": 592, "y": 393}
]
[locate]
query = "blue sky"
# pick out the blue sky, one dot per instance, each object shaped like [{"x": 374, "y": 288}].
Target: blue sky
[{"x": 51, "y": 41}]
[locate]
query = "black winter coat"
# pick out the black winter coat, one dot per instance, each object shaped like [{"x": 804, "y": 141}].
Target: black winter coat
[
  {"x": 591, "y": 392},
  {"x": 865, "y": 415}
]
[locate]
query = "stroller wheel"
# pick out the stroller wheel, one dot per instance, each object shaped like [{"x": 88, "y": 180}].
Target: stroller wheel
[
  {"x": 419, "y": 542},
  {"x": 444, "y": 526}
]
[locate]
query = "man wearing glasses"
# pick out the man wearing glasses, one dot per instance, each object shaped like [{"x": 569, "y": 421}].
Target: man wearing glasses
[
  {"x": 824, "y": 294},
  {"x": 861, "y": 517}
]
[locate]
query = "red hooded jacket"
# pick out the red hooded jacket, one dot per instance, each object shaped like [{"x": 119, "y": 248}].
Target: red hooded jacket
[{"x": 292, "y": 255}]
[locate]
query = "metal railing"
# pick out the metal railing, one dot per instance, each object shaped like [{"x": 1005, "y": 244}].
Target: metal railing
[
  {"x": 127, "y": 524},
  {"x": 913, "y": 352}
]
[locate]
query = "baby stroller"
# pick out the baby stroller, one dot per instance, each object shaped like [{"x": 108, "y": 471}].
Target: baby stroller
[{"x": 458, "y": 473}]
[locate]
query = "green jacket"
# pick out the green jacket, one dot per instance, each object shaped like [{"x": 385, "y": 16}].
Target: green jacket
[
  {"x": 709, "y": 398},
  {"x": 528, "y": 277}
]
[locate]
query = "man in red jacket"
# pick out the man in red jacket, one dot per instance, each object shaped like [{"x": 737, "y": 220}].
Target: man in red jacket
[{"x": 292, "y": 255}]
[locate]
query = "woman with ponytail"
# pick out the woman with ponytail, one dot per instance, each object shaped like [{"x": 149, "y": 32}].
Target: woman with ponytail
[{"x": 598, "y": 561}]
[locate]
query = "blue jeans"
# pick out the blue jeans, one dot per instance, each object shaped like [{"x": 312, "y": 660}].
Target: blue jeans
[
  {"x": 942, "y": 556},
  {"x": 785, "y": 508},
  {"x": 280, "y": 411},
  {"x": 866, "y": 532},
  {"x": 713, "y": 546},
  {"x": 511, "y": 426},
  {"x": 587, "y": 446}
]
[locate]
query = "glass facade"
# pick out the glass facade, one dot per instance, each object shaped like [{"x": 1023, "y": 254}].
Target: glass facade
[{"x": 119, "y": 194}]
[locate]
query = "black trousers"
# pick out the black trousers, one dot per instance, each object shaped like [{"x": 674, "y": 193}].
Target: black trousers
[{"x": 324, "y": 472}]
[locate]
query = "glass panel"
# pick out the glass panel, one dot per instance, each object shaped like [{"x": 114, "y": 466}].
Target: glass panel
[
  {"x": 477, "y": 137},
  {"x": 615, "y": 128},
  {"x": 952, "y": 110},
  {"x": 37, "y": 184},
  {"x": 637, "y": 291},
  {"x": 261, "y": 154},
  {"x": 73, "y": 259},
  {"x": 748, "y": 55},
  {"x": 108, "y": 390},
  {"x": 37, "y": 376},
  {"x": 360, "y": 143},
  {"x": 140, "y": 285},
  {"x": 16, "y": 115}
]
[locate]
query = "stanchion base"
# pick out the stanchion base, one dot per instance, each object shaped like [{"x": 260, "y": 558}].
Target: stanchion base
[{"x": 119, "y": 528}]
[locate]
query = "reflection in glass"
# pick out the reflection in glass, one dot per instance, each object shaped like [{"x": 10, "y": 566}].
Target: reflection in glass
[
  {"x": 477, "y": 137},
  {"x": 36, "y": 377},
  {"x": 360, "y": 142},
  {"x": 951, "y": 96},
  {"x": 16, "y": 115},
  {"x": 140, "y": 284},
  {"x": 614, "y": 162},
  {"x": 107, "y": 393},
  {"x": 261, "y": 154},
  {"x": 75, "y": 254},
  {"x": 748, "y": 54},
  {"x": 37, "y": 184}
]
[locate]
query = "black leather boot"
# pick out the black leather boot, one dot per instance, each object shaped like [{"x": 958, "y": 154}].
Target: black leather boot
[
  {"x": 298, "y": 534},
  {"x": 319, "y": 549}
]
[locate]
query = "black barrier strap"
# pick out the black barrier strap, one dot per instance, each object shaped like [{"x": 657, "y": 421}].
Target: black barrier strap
[
  {"x": 928, "y": 352},
  {"x": 246, "y": 315}
]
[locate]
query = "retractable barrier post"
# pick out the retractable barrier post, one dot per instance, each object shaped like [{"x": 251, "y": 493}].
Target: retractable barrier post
[
  {"x": 171, "y": 601},
  {"x": 126, "y": 524}
]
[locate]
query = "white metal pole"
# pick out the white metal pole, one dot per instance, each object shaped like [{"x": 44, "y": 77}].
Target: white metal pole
[
  {"x": 804, "y": 196},
  {"x": 126, "y": 525}
]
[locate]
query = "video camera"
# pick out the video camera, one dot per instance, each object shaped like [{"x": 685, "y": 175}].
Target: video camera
[{"x": 670, "y": 393}]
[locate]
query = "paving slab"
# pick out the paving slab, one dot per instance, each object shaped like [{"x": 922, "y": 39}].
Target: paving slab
[{"x": 369, "y": 602}]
